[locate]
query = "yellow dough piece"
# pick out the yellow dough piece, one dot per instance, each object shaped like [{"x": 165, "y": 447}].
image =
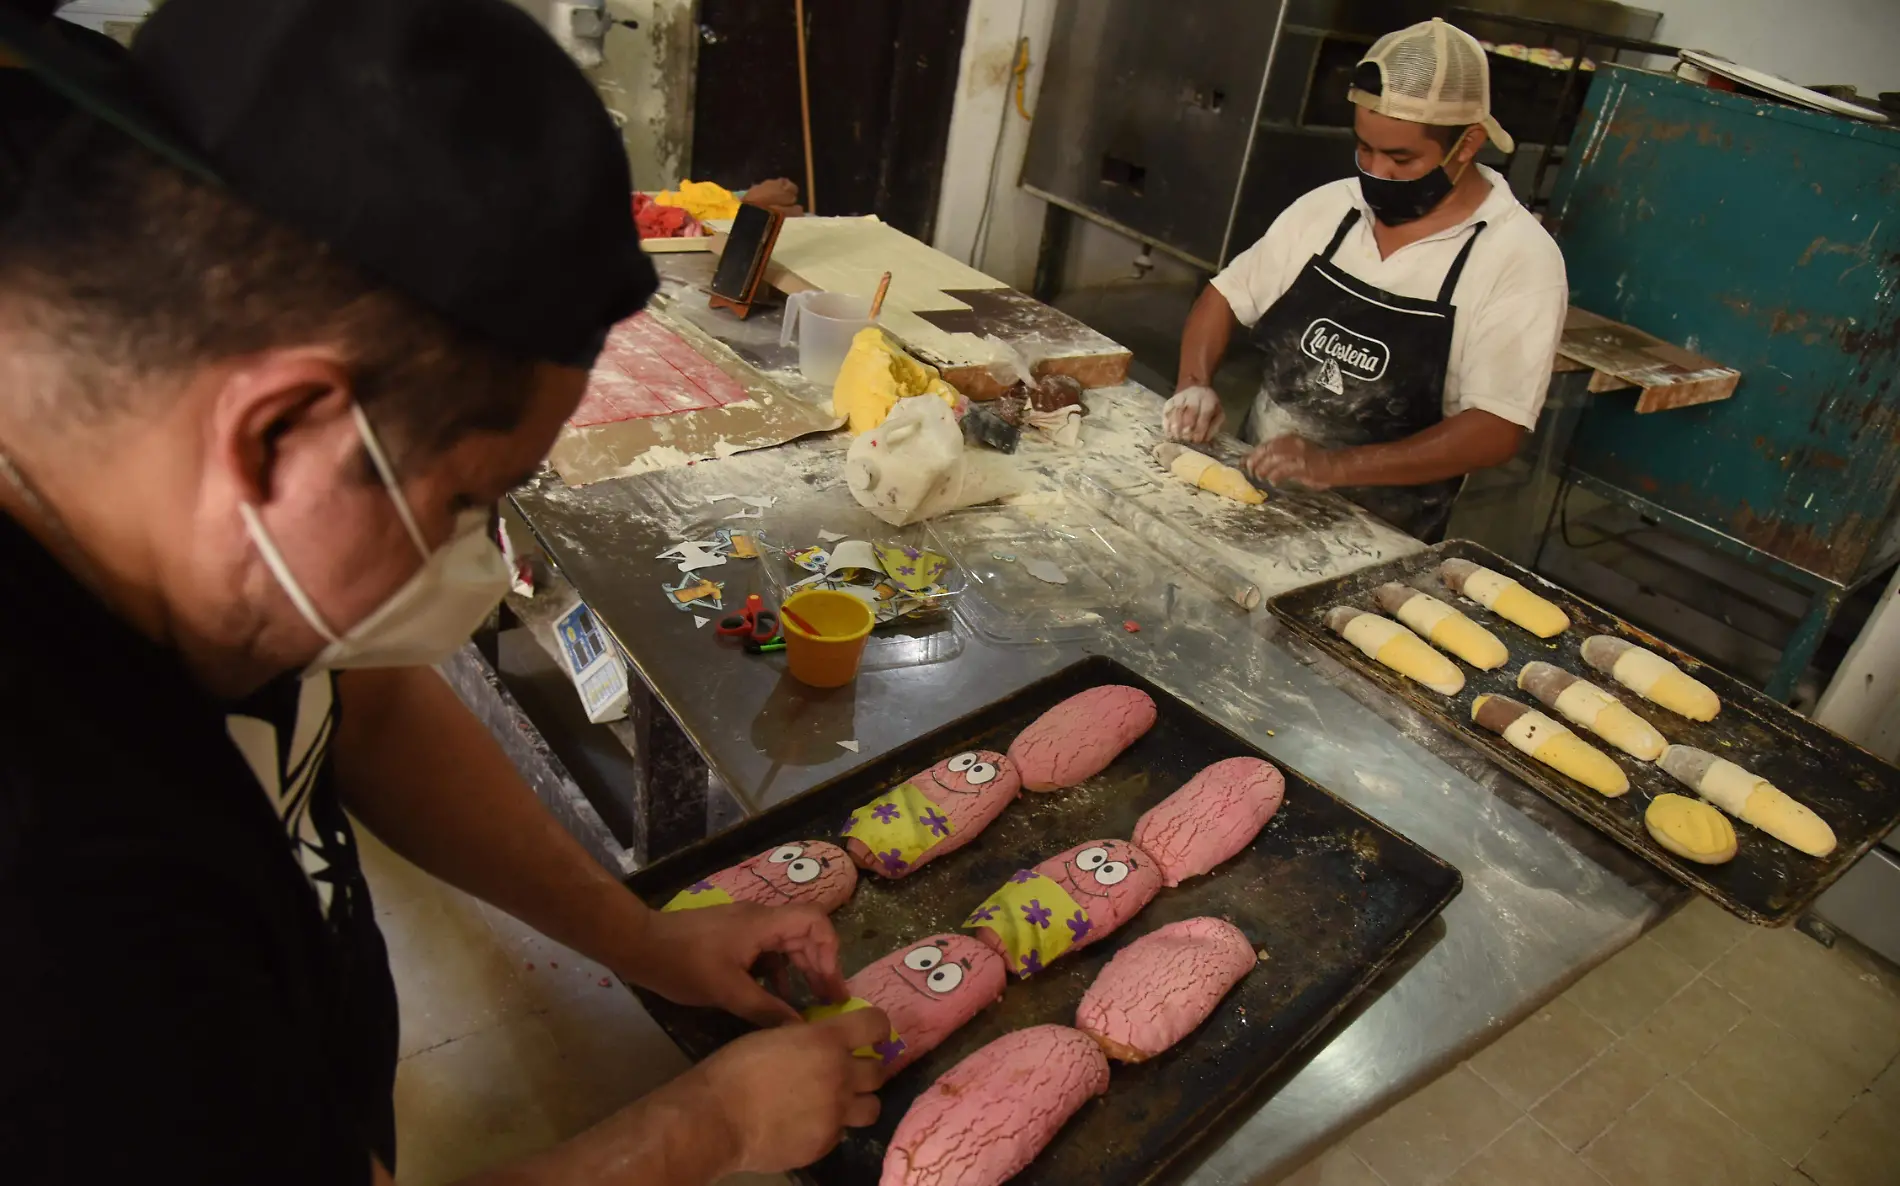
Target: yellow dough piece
[
  {"x": 1749, "y": 798},
  {"x": 1504, "y": 597},
  {"x": 1443, "y": 626},
  {"x": 1583, "y": 703},
  {"x": 703, "y": 200},
  {"x": 1652, "y": 677},
  {"x": 1544, "y": 739},
  {"x": 875, "y": 374},
  {"x": 1387, "y": 642},
  {"x": 1211, "y": 475},
  {"x": 1690, "y": 828}
]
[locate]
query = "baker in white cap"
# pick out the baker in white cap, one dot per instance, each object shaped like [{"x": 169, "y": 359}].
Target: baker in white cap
[{"x": 1409, "y": 314}]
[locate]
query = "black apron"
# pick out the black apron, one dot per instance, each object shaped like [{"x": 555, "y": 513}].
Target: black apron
[{"x": 1350, "y": 364}]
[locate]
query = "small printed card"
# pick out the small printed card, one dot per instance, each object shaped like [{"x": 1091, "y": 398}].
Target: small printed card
[{"x": 594, "y": 663}]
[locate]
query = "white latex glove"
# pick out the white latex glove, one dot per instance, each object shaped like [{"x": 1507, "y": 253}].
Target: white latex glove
[{"x": 1193, "y": 414}]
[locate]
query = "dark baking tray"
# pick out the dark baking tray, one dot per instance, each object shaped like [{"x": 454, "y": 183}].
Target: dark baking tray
[
  {"x": 1328, "y": 893},
  {"x": 1767, "y": 882}
]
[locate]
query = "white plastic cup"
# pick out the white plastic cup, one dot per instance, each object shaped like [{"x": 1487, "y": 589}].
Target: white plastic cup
[{"x": 824, "y": 324}]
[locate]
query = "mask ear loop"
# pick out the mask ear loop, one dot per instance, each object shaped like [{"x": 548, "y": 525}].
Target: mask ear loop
[
  {"x": 274, "y": 560},
  {"x": 388, "y": 473},
  {"x": 1466, "y": 167}
]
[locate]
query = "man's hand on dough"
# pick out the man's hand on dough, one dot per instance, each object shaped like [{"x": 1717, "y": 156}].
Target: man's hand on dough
[
  {"x": 782, "y": 1098},
  {"x": 1192, "y": 414},
  {"x": 705, "y": 957},
  {"x": 1294, "y": 461}
]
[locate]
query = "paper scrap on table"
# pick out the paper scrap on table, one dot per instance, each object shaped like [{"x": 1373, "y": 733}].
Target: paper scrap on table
[
  {"x": 912, "y": 569},
  {"x": 693, "y": 558},
  {"x": 758, "y": 501},
  {"x": 830, "y": 537},
  {"x": 852, "y": 553},
  {"x": 695, "y": 592},
  {"x": 700, "y": 620},
  {"x": 679, "y": 549},
  {"x": 719, "y": 497},
  {"x": 1045, "y": 570},
  {"x": 850, "y": 745},
  {"x": 751, "y": 514}
]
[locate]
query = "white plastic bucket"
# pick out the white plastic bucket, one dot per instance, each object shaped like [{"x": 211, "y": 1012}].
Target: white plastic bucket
[{"x": 824, "y": 324}]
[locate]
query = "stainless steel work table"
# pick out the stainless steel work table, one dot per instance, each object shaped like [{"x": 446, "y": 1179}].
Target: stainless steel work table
[{"x": 1545, "y": 898}]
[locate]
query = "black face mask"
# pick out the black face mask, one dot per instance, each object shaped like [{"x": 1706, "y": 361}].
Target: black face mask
[{"x": 1395, "y": 203}]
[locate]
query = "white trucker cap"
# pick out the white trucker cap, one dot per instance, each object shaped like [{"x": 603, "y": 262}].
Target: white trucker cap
[{"x": 1433, "y": 73}]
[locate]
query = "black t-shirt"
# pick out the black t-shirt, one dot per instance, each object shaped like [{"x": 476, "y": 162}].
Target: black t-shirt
[{"x": 193, "y": 987}]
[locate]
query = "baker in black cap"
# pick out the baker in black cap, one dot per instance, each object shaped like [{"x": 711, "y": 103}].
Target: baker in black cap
[{"x": 280, "y": 322}]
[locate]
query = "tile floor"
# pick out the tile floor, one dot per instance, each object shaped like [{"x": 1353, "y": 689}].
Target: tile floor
[{"x": 1709, "y": 1052}]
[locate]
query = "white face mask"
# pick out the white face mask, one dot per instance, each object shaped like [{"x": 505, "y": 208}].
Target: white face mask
[{"x": 432, "y": 614}]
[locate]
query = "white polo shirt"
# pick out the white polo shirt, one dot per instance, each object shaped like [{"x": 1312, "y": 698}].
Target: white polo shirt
[{"x": 1510, "y": 300}]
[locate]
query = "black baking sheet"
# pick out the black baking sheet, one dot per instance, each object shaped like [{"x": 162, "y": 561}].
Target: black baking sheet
[
  {"x": 1328, "y": 893},
  {"x": 1767, "y": 882}
]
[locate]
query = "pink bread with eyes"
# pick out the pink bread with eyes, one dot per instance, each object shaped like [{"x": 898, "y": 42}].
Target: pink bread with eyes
[
  {"x": 760, "y": 880},
  {"x": 988, "y": 1117},
  {"x": 1160, "y": 988},
  {"x": 967, "y": 807},
  {"x": 922, "y": 1011},
  {"x": 1078, "y": 738},
  {"x": 1213, "y": 816}
]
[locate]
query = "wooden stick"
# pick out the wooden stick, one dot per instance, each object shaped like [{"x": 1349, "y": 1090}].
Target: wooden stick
[
  {"x": 804, "y": 107},
  {"x": 877, "y": 302}
]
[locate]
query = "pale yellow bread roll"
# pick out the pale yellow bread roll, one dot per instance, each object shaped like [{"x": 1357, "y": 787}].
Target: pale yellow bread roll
[
  {"x": 1690, "y": 828},
  {"x": 1442, "y": 626},
  {"x": 1583, "y": 703},
  {"x": 1504, "y": 597},
  {"x": 1652, "y": 677},
  {"x": 1749, "y": 798},
  {"x": 1533, "y": 733},
  {"x": 1387, "y": 642},
  {"x": 1201, "y": 470}
]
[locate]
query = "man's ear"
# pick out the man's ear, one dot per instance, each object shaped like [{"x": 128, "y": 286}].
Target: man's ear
[
  {"x": 269, "y": 405},
  {"x": 1467, "y": 147}
]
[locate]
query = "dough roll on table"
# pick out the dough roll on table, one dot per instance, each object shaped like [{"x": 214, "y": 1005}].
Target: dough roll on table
[
  {"x": 1533, "y": 733},
  {"x": 1505, "y": 597},
  {"x": 1749, "y": 798},
  {"x": 1198, "y": 469},
  {"x": 988, "y": 1117},
  {"x": 1690, "y": 828},
  {"x": 1652, "y": 677},
  {"x": 1077, "y": 739},
  {"x": 1385, "y": 641},
  {"x": 1160, "y": 988},
  {"x": 1442, "y": 625},
  {"x": 1583, "y": 703}
]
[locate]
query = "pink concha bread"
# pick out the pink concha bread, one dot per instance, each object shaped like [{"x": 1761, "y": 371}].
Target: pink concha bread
[
  {"x": 929, "y": 989},
  {"x": 1160, "y": 988},
  {"x": 1213, "y": 816},
  {"x": 931, "y": 813},
  {"x": 988, "y": 1117},
  {"x": 1064, "y": 904},
  {"x": 1078, "y": 738},
  {"x": 806, "y": 872}
]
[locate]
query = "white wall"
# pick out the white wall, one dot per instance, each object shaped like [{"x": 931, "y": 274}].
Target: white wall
[{"x": 1817, "y": 41}]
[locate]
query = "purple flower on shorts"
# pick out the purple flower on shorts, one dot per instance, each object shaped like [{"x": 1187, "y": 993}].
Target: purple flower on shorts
[
  {"x": 983, "y": 913},
  {"x": 1022, "y": 876},
  {"x": 886, "y": 812},
  {"x": 1032, "y": 963},
  {"x": 849, "y": 823},
  {"x": 888, "y": 1050},
  {"x": 893, "y": 861},
  {"x": 1080, "y": 925},
  {"x": 1038, "y": 914},
  {"x": 700, "y": 887},
  {"x": 937, "y": 824}
]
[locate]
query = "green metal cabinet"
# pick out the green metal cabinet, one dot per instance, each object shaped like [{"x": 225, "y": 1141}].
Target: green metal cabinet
[{"x": 1766, "y": 237}]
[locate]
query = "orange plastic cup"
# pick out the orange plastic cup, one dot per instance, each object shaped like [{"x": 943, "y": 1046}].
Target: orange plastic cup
[{"x": 828, "y": 658}]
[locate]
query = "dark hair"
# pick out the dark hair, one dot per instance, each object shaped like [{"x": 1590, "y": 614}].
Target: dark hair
[{"x": 132, "y": 271}]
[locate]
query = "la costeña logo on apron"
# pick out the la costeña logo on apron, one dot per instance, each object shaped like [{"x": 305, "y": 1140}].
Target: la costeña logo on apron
[{"x": 1340, "y": 352}]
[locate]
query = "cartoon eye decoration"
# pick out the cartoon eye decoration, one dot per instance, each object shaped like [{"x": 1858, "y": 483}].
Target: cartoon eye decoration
[
  {"x": 785, "y": 854},
  {"x": 981, "y": 773},
  {"x": 1113, "y": 873},
  {"x": 1091, "y": 859},
  {"x": 925, "y": 958},
  {"x": 946, "y": 978},
  {"x": 803, "y": 871},
  {"x": 962, "y": 762}
]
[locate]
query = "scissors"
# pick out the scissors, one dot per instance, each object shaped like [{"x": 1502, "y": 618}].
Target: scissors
[{"x": 754, "y": 624}]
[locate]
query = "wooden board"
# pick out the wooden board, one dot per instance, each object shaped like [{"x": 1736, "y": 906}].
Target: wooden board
[{"x": 1624, "y": 356}]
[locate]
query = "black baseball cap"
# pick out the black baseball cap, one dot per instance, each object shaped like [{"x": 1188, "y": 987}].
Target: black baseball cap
[{"x": 448, "y": 148}]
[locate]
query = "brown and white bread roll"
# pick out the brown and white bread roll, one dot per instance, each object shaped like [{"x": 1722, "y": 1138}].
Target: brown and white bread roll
[
  {"x": 1387, "y": 642},
  {"x": 1749, "y": 798},
  {"x": 1583, "y": 703},
  {"x": 1504, "y": 597},
  {"x": 1534, "y": 733},
  {"x": 1651, "y": 676},
  {"x": 1198, "y": 469},
  {"x": 1442, "y": 626}
]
